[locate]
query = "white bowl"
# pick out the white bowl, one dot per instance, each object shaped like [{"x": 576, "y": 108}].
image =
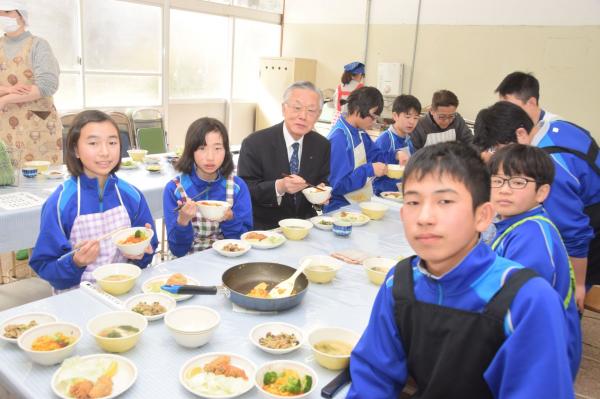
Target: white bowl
[
  {"x": 316, "y": 196},
  {"x": 113, "y": 319},
  {"x": 220, "y": 244},
  {"x": 213, "y": 210},
  {"x": 48, "y": 358},
  {"x": 192, "y": 326},
  {"x": 377, "y": 268},
  {"x": 168, "y": 302},
  {"x": 322, "y": 268},
  {"x": 280, "y": 365},
  {"x": 117, "y": 287},
  {"x": 132, "y": 249},
  {"x": 330, "y": 361},
  {"x": 39, "y": 317},
  {"x": 201, "y": 360},
  {"x": 123, "y": 379},
  {"x": 322, "y": 222},
  {"x": 261, "y": 330}
]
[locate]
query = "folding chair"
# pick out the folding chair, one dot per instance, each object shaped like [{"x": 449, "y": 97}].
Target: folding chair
[
  {"x": 150, "y": 118},
  {"x": 67, "y": 121},
  {"x": 151, "y": 139},
  {"x": 125, "y": 131}
]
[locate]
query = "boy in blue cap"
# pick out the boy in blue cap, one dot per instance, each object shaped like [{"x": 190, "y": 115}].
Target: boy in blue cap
[
  {"x": 521, "y": 179},
  {"x": 462, "y": 321}
]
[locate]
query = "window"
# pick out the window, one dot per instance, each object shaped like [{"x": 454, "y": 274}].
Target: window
[
  {"x": 253, "y": 40},
  {"x": 275, "y": 6},
  {"x": 199, "y": 55}
]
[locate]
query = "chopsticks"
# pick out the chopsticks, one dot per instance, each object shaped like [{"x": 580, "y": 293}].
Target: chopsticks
[
  {"x": 307, "y": 183},
  {"x": 101, "y": 238},
  {"x": 192, "y": 198}
]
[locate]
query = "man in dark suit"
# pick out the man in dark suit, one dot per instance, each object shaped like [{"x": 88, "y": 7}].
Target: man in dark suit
[{"x": 291, "y": 149}]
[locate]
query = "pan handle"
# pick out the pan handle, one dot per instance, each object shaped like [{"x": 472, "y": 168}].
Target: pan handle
[
  {"x": 191, "y": 289},
  {"x": 336, "y": 384}
]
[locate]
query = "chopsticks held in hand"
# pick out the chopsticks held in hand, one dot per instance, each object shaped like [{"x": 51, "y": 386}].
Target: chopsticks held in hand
[
  {"x": 101, "y": 238},
  {"x": 191, "y": 199},
  {"x": 307, "y": 183}
]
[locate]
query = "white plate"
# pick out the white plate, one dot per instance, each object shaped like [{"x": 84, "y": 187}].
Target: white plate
[
  {"x": 122, "y": 380},
  {"x": 39, "y": 317},
  {"x": 275, "y": 328},
  {"x": 162, "y": 279},
  {"x": 167, "y": 301},
  {"x": 357, "y": 219},
  {"x": 392, "y": 196},
  {"x": 54, "y": 174},
  {"x": 266, "y": 243},
  {"x": 218, "y": 246},
  {"x": 317, "y": 219},
  {"x": 154, "y": 168},
  {"x": 236, "y": 360}
]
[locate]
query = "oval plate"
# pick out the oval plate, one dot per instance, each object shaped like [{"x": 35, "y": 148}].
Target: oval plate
[
  {"x": 316, "y": 220},
  {"x": 395, "y": 196},
  {"x": 153, "y": 285},
  {"x": 357, "y": 219},
  {"x": 273, "y": 239}
]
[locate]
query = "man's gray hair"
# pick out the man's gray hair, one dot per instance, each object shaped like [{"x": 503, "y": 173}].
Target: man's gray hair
[{"x": 303, "y": 85}]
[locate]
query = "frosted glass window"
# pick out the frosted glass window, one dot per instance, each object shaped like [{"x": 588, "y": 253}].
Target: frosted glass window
[
  {"x": 122, "y": 90},
  {"x": 122, "y": 36},
  {"x": 253, "y": 40},
  {"x": 264, "y": 5},
  {"x": 70, "y": 94},
  {"x": 199, "y": 55}
]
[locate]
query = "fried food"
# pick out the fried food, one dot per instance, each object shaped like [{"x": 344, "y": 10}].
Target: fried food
[
  {"x": 145, "y": 309},
  {"x": 103, "y": 387},
  {"x": 232, "y": 247},
  {"x": 261, "y": 290},
  {"x": 14, "y": 330},
  {"x": 253, "y": 235},
  {"x": 81, "y": 389},
  {"x": 177, "y": 279},
  {"x": 222, "y": 366}
]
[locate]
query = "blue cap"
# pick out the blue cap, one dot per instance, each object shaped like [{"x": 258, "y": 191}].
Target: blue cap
[{"x": 355, "y": 67}]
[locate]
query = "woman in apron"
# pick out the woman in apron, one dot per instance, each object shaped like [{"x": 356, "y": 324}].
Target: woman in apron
[
  {"x": 92, "y": 203},
  {"x": 206, "y": 167},
  {"x": 352, "y": 78},
  {"x": 28, "y": 79},
  {"x": 356, "y": 158}
]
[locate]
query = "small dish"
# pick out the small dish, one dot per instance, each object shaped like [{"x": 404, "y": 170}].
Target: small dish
[
  {"x": 153, "y": 284},
  {"x": 151, "y": 159},
  {"x": 228, "y": 247},
  {"x": 278, "y": 366},
  {"x": 263, "y": 239},
  {"x": 48, "y": 358},
  {"x": 39, "y": 318},
  {"x": 275, "y": 328},
  {"x": 124, "y": 377},
  {"x": 322, "y": 222},
  {"x": 153, "y": 168},
  {"x": 29, "y": 172},
  {"x": 164, "y": 300},
  {"x": 357, "y": 219},
  {"x": 395, "y": 196},
  {"x": 54, "y": 174}
]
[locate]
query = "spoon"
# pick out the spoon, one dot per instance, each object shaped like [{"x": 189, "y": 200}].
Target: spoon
[{"x": 286, "y": 287}]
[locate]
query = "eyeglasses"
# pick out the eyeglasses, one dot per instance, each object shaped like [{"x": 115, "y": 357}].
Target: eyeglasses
[
  {"x": 445, "y": 117},
  {"x": 516, "y": 183},
  {"x": 297, "y": 109}
]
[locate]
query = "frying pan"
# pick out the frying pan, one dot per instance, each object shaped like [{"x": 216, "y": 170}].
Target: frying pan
[{"x": 239, "y": 280}]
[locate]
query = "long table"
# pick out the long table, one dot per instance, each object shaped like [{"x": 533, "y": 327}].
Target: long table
[
  {"x": 21, "y": 227},
  {"x": 346, "y": 302}
]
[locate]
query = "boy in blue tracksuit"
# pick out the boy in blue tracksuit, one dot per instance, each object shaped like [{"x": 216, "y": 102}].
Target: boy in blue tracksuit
[
  {"x": 355, "y": 159},
  {"x": 91, "y": 204},
  {"x": 574, "y": 201},
  {"x": 207, "y": 174},
  {"x": 405, "y": 112},
  {"x": 460, "y": 320},
  {"x": 521, "y": 179}
]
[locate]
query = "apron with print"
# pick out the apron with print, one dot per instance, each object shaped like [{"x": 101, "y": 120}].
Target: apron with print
[
  {"x": 360, "y": 158},
  {"x": 34, "y": 126},
  {"x": 206, "y": 232},
  {"x": 342, "y": 95},
  {"x": 94, "y": 225}
]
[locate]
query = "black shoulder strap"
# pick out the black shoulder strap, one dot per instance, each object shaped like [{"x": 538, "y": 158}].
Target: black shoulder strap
[
  {"x": 501, "y": 301},
  {"x": 403, "y": 287},
  {"x": 590, "y": 156}
]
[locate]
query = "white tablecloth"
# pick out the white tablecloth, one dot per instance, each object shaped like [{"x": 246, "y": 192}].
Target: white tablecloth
[{"x": 346, "y": 302}]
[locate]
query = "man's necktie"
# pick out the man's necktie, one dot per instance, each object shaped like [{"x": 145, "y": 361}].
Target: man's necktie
[{"x": 295, "y": 166}]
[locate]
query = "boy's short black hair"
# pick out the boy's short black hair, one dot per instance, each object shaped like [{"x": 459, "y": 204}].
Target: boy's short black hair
[
  {"x": 444, "y": 98},
  {"x": 74, "y": 165},
  {"x": 456, "y": 160},
  {"x": 196, "y": 138},
  {"x": 526, "y": 160},
  {"x": 521, "y": 85},
  {"x": 405, "y": 103},
  {"x": 363, "y": 99},
  {"x": 498, "y": 124}
]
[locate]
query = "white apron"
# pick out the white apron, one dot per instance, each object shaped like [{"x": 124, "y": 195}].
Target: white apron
[
  {"x": 360, "y": 158},
  {"x": 94, "y": 225}
]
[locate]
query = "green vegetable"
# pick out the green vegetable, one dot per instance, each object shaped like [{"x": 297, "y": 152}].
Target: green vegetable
[
  {"x": 307, "y": 383},
  {"x": 269, "y": 377},
  {"x": 129, "y": 328},
  {"x": 113, "y": 334},
  {"x": 138, "y": 234},
  {"x": 293, "y": 385}
]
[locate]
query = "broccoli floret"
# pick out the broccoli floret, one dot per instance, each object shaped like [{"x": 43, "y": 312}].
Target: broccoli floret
[
  {"x": 307, "y": 383},
  {"x": 138, "y": 233},
  {"x": 269, "y": 377},
  {"x": 293, "y": 385}
]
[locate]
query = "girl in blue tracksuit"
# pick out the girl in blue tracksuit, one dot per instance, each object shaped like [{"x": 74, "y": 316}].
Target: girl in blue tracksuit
[
  {"x": 521, "y": 179},
  {"x": 356, "y": 160},
  {"x": 207, "y": 174},
  {"x": 459, "y": 319},
  {"x": 405, "y": 112},
  {"x": 92, "y": 203}
]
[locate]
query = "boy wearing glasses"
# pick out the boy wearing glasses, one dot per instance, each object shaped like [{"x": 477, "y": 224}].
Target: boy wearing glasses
[
  {"x": 520, "y": 182},
  {"x": 442, "y": 123},
  {"x": 460, "y": 320}
]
